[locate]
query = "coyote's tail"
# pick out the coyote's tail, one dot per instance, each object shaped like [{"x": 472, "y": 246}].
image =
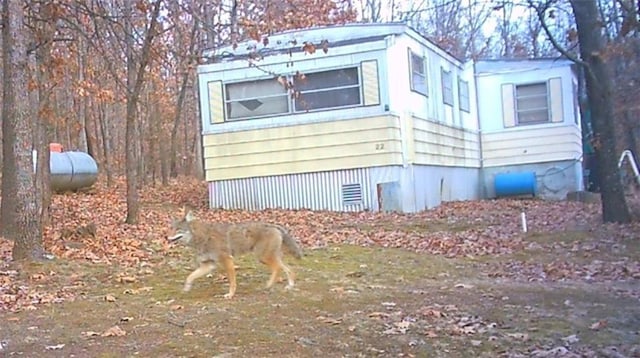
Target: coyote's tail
[{"x": 290, "y": 243}]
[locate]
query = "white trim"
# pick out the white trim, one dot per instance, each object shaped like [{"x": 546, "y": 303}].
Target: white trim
[
  {"x": 278, "y": 59},
  {"x": 527, "y": 128}
]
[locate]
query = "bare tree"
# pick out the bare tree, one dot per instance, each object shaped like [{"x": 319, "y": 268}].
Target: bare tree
[
  {"x": 24, "y": 222},
  {"x": 371, "y": 10},
  {"x": 43, "y": 31},
  {"x": 454, "y": 25},
  {"x": 185, "y": 62},
  {"x": 9, "y": 178},
  {"x": 593, "y": 58},
  {"x": 134, "y": 87},
  {"x": 507, "y": 28}
]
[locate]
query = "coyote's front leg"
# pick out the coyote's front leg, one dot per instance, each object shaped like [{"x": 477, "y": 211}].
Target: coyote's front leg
[
  {"x": 204, "y": 269},
  {"x": 227, "y": 262}
]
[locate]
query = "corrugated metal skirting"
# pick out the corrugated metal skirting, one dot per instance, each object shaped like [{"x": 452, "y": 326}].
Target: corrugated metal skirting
[{"x": 316, "y": 191}]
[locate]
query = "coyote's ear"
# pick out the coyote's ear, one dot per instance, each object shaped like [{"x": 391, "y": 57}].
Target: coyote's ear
[{"x": 190, "y": 216}]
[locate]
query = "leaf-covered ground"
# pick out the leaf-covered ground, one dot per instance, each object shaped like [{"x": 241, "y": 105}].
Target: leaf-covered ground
[{"x": 459, "y": 280}]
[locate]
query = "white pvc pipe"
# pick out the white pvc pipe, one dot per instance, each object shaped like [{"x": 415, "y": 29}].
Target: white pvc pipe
[
  {"x": 627, "y": 154},
  {"x": 523, "y": 219}
]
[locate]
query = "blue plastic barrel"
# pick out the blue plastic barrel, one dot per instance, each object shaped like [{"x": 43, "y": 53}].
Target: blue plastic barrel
[{"x": 510, "y": 184}]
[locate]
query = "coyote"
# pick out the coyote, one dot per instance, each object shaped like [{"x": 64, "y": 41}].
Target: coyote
[{"x": 217, "y": 243}]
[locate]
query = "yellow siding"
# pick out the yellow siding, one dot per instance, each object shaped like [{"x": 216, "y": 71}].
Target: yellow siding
[
  {"x": 370, "y": 84},
  {"x": 531, "y": 145},
  {"x": 303, "y": 148},
  {"x": 216, "y": 103},
  {"x": 408, "y": 138},
  {"x": 440, "y": 144}
]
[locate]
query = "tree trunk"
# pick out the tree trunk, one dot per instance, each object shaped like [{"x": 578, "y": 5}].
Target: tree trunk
[
  {"x": 210, "y": 24},
  {"x": 164, "y": 166},
  {"x": 182, "y": 91},
  {"x": 131, "y": 165},
  {"x": 9, "y": 177},
  {"x": 90, "y": 131},
  {"x": 140, "y": 147},
  {"x": 46, "y": 31},
  {"x": 154, "y": 122},
  {"x": 82, "y": 100},
  {"x": 130, "y": 126},
  {"x": 133, "y": 94},
  {"x": 57, "y": 136},
  {"x": 26, "y": 229},
  {"x": 106, "y": 144},
  {"x": 600, "y": 96}
]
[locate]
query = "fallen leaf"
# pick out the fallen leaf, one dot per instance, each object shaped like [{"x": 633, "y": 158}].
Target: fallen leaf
[
  {"x": 378, "y": 315},
  {"x": 518, "y": 336},
  {"x": 463, "y": 285},
  {"x": 55, "y": 347},
  {"x": 571, "y": 339},
  {"x": 431, "y": 312},
  {"x": 110, "y": 298},
  {"x": 114, "y": 331},
  {"x": 355, "y": 274},
  {"x": 37, "y": 276},
  {"x": 127, "y": 279},
  {"x": 551, "y": 353},
  {"x": 131, "y": 291},
  {"x": 398, "y": 328},
  {"x": 598, "y": 325},
  {"x": 403, "y": 325},
  {"x": 332, "y": 321},
  {"x": 431, "y": 334},
  {"x": 305, "y": 341}
]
